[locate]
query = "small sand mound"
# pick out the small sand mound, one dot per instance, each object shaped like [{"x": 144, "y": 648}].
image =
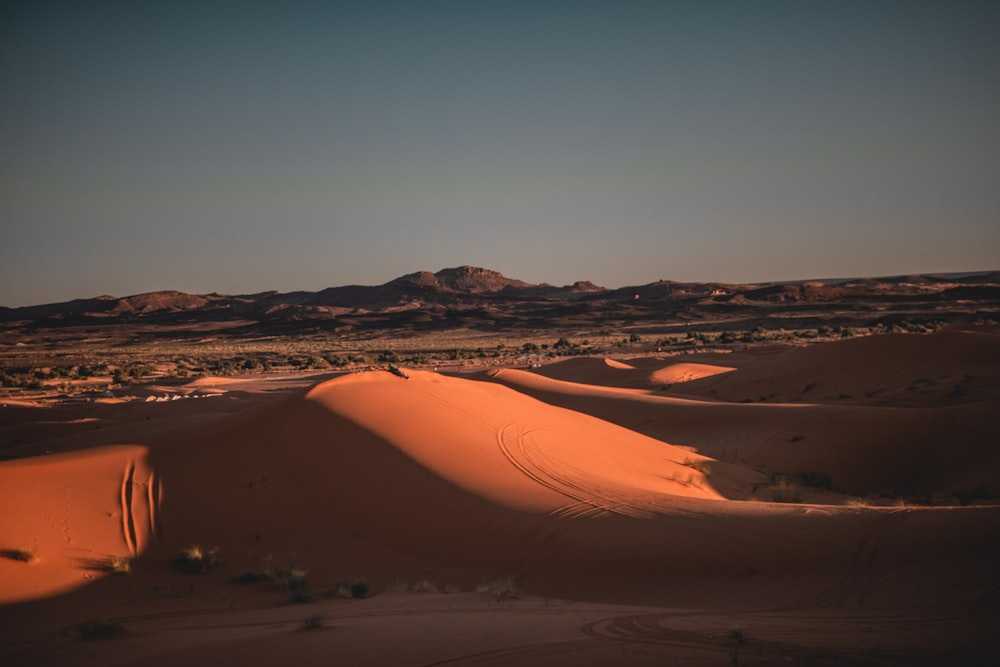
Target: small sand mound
[{"x": 685, "y": 372}]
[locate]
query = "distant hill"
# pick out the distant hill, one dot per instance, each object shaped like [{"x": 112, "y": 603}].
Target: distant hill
[{"x": 468, "y": 297}]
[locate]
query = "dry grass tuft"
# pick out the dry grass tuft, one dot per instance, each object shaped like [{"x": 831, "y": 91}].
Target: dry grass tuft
[{"x": 29, "y": 555}]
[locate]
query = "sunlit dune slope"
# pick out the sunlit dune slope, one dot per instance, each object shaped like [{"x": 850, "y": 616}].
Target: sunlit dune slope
[
  {"x": 64, "y": 517},
  {"x": 506, "y": 447}
]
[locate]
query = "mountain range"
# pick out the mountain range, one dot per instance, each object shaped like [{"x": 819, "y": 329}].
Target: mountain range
[{"x": 469, "y": 297}]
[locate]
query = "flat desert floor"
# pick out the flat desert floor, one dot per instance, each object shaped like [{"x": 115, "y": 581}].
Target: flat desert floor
[{"x": 835, "y": 504}]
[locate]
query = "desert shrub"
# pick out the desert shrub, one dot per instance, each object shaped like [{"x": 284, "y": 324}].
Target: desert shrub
[
  {"x": 120, "y": 564},
  {"x": 316, "y": 363},
  {"x": 28, "y": 555},
  {"x": 396, "y": 586},
  {"x": 247, "y": 578},
  {"x": 295, "y": 580},
  {"x": 359, "y": 589},
  {"x": 813, "y": 479},
  {"x": 966, "y": 497},
  {"x": 132, "y": 372},
  {"x": 808, "y": 478},
  {"x": 223, "y": 366},
  {"x": 387, "y": 357},
  {"x": 425, "y": 586},
  {"x": 335, "y": 360},
  {"x": 504, "y": 587},
  {"x": 351, "y": 589},
  {"x": 702, "y": 466},
  {"x": 100, "y": 628},
  {"x": 786, "y": 491},
  {"x": 563, "y": 345},
  {"x": 314, "y": 622},
  {"x": 195, "y": 560},
  {"x": 301, "y": 596},
  {"x": 27, "y": 378},
  {"x": 252, "y": 364}
]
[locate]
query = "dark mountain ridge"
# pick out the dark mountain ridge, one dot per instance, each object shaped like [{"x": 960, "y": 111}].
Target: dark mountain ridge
[{"x": 472, "y": 297}]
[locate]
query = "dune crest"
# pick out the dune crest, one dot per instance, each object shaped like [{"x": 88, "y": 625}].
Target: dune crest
[{"x": 511, "y": 449}]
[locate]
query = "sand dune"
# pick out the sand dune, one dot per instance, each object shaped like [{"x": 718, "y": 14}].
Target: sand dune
[
  {"x": 685, "y": 372},
  {"x": 863, "y": 449},
  {"x": 607, "y": 491},
  {"x": 949, "y": 365},
  {"x": 640, "y": 373}
]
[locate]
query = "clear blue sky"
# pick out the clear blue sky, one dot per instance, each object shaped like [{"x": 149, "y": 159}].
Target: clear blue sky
[{"x": 245, "y": 146}]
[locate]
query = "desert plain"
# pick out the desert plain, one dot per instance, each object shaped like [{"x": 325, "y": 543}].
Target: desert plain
[{"x": 531, "y": 493}]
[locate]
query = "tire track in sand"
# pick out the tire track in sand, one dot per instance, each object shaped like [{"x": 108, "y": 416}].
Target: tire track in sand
[
  {"x": 514, "y": 449},
  {"x": 864, "y": 571}
]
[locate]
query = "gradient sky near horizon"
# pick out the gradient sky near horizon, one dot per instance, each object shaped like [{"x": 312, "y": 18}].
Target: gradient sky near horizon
[{"x": 237, "y": 147}]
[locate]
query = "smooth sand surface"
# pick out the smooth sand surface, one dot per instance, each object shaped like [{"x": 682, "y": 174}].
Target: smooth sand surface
[{"x": 636, "y": 520}]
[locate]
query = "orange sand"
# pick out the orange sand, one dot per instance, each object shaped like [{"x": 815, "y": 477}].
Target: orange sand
[{"x": 633, "y": 517}]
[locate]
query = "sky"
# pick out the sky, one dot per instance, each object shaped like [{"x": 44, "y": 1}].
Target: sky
[{"x": 238, "y": 147}]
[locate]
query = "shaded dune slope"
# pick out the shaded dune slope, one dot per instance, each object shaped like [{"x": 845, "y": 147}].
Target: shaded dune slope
[{"x": 952, "y": 364}]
